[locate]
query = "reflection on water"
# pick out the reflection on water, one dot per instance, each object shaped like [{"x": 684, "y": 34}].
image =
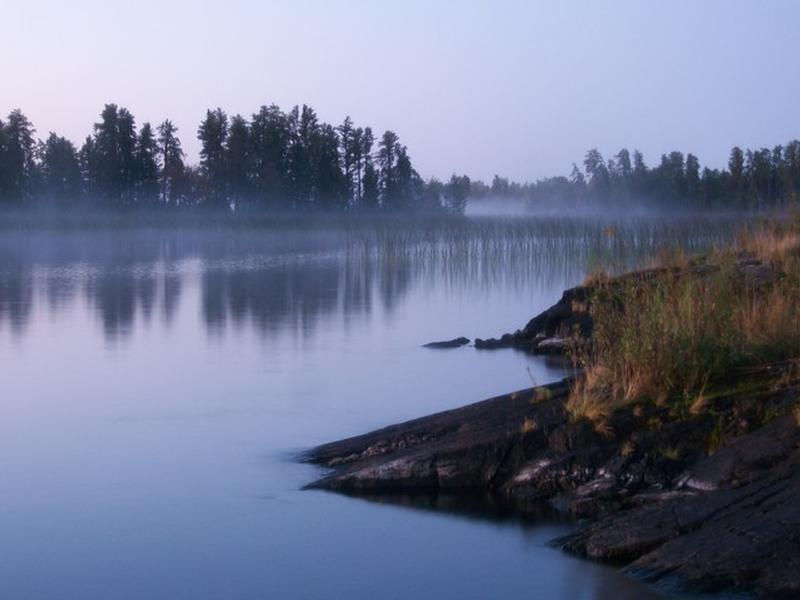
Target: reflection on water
[
  {"x": 277, "y": 280},
  {"x": 154, "y": 381}
]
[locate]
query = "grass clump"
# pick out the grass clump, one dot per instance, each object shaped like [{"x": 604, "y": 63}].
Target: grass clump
[{"x": 665, "y": 338}]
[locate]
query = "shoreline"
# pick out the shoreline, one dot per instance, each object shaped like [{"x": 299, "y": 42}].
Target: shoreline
[{"x": 659, "y": 501}]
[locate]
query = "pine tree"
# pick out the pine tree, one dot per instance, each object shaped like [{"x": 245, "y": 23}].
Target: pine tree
[
  {"x": 61, "y": 171},
  {"x": 213, "y": 133},
  {"x": 270, "y": 137},
  {"x": 18, "y": 157},
  {"x": 146, "y": 174},
  {"x": 105, "y": 171},
  {"x": 387, "y": 163},
  {"x": 237, "y": 158},
  {"x": 172, "y": 171},
  {"x": 126, "y": 139}
]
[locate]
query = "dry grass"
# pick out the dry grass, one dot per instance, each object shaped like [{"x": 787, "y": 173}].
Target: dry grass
[
  {"x": 670, "y": 452},
  {"x": 627, "y": 448},
  {"x": 670, "y": 258},
  {"x": 700, "y": 403},
  {"x": 664, "y": 340},
  {"x": 596, "y": 278},
  {"x": 528, "y": 426},
  {"x": 771, "y": 242},
  {"x": 540, "y": 394},
  {"x": 589, "y": 400}
]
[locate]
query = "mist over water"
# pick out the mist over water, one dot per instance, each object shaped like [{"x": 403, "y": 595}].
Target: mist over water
[{"x": 158, "y": 381}]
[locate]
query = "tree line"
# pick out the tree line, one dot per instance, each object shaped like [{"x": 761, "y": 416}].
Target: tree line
[
  {"x": 753, "y": 180},
  {"x": 280, "y": 160},
  {"x": 274, "y": 160}
]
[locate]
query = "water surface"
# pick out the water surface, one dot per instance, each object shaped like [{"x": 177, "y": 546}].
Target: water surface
[{"x": 156, "y": 382}]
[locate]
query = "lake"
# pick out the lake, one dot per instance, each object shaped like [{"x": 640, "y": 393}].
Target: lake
[{"x": 159, "y": 380}]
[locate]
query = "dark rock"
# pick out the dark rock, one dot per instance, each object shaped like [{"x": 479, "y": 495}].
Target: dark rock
[
  {"x": 469, "y": 447},
  {"x": 454, "y": 343},
  {"x": 491, "y": 344},
  {"x": 660, "y": 505}
]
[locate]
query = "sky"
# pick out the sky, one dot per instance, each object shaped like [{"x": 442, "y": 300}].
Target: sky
[{"x": 516, "y": 88}]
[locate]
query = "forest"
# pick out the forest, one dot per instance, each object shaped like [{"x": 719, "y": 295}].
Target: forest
[
  {"x": 275, "y": 160},
  {"x": 754, "y": 180},
  {"x": 291, "y": 161}
]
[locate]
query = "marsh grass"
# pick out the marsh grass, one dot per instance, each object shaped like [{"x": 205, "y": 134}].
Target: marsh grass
[{"x": 665, "y": 339}]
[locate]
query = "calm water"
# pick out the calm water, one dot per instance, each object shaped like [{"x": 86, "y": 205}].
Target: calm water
[{"x": 156, "y": 382}]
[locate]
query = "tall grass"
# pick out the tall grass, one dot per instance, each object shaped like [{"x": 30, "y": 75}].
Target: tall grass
[{"x": 667, "y": 338}]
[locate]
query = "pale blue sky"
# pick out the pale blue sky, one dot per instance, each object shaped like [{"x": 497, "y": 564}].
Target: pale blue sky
[{"x": 512, "y": 87}]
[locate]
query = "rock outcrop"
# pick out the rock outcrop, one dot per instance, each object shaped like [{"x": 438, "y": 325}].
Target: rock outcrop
[
  {"x": 454, "y": 343},
  {"x": 708, "y": 498}
]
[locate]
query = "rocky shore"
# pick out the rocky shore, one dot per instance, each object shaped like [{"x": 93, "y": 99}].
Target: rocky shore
[{"x": 708, "y": 498}]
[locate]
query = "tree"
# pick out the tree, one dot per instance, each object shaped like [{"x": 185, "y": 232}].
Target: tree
[
  {"x": 18, "y": 157},
  {"x": 387, "y": 164},
  {"x": 5, "y": 175},
  {"x": 371, "y": 188},
  {"x": 672, "y": 175},
  {"x": 500, "y": 185},
  {"x": 304, "y": 129},
  {"x": 365, "y": 142},
  {"x": 711, "y": 186},
  {"x": 623, "y": 158},
  {"x": 455, "y": 194},
  {"x": 432, "y": 193},
  {"x": 104, "y": 164},
  {"x": 146, "y": 177},
  {"x": 270, "y": 137},
  {"x": 621, "y": 175},
  {"x": 777, "y": 191},
  {"x": 736, "y": 173},
  {"x": 758, "y": 170},
  {"x": 408, "y": 182},
  {"x": 213, "y": 133},
  {"x": 693, "y": 192},
  {"x": 330, "y": 186},
  {"x": 791, "y": 171},
  {"x": 126, "y": 140},
  {"x": 350, "y": 150},
  {"x": 172, "y": 171},
  {"x": 599, "y": 179},
  {"x": 237, "y": 157},
  {"x": 61, "y": 170}
]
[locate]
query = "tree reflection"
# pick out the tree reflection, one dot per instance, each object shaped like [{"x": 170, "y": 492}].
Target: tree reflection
[
  {"x": 288, "y": 280},
  {"x": 16, "y": 293}
]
